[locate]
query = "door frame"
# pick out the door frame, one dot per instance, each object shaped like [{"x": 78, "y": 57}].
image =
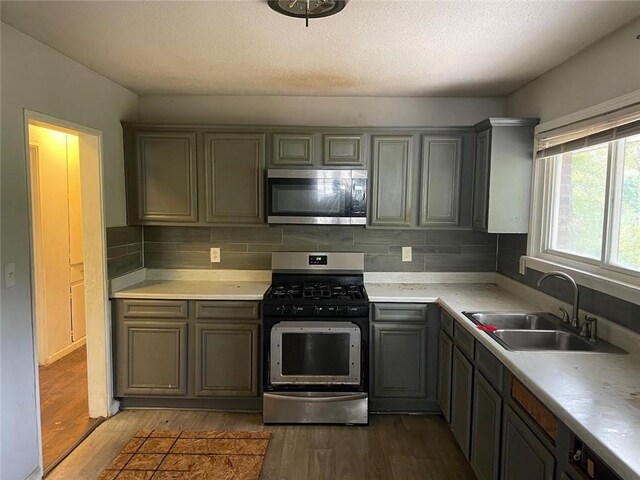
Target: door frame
[{"x": 97, "y": 311}]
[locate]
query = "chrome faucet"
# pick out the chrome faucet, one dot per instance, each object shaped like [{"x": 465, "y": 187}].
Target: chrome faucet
[
  {"x": 574, "y": 315},
  {"x": 590, "y": 328}
]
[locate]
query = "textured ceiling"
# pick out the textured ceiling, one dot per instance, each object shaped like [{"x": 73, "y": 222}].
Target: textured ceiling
[{"x": 378, "y": 48}]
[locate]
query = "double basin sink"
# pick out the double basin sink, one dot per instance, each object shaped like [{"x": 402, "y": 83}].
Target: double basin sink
[{"x": 535, "y": 331}]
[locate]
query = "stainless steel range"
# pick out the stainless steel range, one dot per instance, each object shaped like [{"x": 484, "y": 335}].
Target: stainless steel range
[{"x": 316, "y": 338}]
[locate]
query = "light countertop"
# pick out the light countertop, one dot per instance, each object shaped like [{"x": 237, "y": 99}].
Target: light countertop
[
  {"x": 194, "y": 290},
  {"x": 597, "y": 395}
]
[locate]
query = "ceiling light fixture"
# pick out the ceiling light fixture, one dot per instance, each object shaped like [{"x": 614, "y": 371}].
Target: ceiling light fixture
[{"x": 307, "y": 8}]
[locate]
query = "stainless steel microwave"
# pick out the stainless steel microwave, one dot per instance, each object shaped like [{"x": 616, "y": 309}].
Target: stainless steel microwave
[{"x": 317, "y": 196}]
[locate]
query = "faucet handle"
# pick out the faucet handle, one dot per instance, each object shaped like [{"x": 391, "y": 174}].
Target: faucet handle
[
  {"x": 565, "y": 315},
  {"x": 590, "y": 328}
]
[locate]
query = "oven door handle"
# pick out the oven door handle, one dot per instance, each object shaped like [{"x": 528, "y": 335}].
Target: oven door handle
[{"x": 318, "y": 397}]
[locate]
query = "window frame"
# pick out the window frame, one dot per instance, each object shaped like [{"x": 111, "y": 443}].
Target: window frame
[{"x": 539, "y": 251}]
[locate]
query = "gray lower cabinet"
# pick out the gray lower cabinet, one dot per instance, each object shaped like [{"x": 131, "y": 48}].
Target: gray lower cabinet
[
  {"x": 524, "y": 457},
  {"x": 189, "y": 350},
  {"x": 391, "y": 182},
  {"x": 486, "y": 422},
  {"x": 234, "y": 173},
  {"x": 161, "y": 177},
  {"x": 461, "y": 399},
  {"x": 441, "y": 167},
  {"x": 403, "y": 358},
  {"x": 152, "y": 359},
  {"x": 400, "y": 360},
  {"x": 226, "y": 359},
  {"x": 445, "y": 358}
]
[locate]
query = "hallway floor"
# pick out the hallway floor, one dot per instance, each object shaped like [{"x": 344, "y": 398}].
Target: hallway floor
[
  {"x": 64, "y": 405},
  {"x": 392, "y": 446}
]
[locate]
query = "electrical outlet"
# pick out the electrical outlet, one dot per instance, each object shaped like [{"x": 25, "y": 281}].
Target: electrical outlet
[
  {"x": 215, "y": 255},
  {"x": 406, "y": 254},
  {"x": 9, "y": 275},
  {"x": 522, "y": 266}
]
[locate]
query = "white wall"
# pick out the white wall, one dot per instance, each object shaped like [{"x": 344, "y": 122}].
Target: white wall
[
  {"x": 608, "y": 69},
  {"x": 332, "y": 111},
  {"x": 35, "y": 77}
]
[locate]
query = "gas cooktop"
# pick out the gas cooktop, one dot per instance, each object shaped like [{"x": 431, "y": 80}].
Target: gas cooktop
[{"x": 316, "y": 291}]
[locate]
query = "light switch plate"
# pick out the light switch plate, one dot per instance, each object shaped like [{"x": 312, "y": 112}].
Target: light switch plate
[
  {"x": 215, "y": 255},
  {"x": 9, "y": 275},
  {"x": 407, "y": 254}
]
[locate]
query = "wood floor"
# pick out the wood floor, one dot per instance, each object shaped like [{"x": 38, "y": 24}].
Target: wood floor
[
  {"x": 403, "y": 447},
  {"x": 63, "y": 405}
]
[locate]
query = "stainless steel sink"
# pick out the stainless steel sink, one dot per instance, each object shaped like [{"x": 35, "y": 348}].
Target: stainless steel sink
[
  {"x": 516, "y": 321},
  {"x": 539, "y": 331},
  {"x": 543, "y": 340}
]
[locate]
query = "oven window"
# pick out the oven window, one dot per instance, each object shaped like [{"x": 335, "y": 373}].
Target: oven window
[
  {"x": 320, "y": 197},
  {"x": 315, "y": 354}
]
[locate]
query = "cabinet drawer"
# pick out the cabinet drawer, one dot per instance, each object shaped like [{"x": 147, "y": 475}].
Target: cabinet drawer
[
  {"x": 464, "y": 340},
  {"x": 227, "y": 310},
  {"x": 490, "y": 367},
  {"x": 540, "y": 415},
  {"x": 400, "y": 312},
  {"x": 446, "y": 322},
  {"x": 154, "y": 309}
]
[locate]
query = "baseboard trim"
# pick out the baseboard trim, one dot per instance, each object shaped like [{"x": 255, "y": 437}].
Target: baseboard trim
[
  {"x": 65, "y": 351},
  {"x": 35, "y": 475}
]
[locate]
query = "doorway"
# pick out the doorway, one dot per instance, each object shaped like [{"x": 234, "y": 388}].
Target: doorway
[{"x": 70, "y": 303}]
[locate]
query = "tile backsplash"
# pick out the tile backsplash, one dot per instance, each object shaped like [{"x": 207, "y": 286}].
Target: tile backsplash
[
  {"x": 512, "y": 246},
  {"x": 124, "y": 250},
  {"x": 251, "y": 247}
]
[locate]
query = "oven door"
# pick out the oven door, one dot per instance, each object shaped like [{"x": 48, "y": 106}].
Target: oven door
[
  {"x": 315, "y": 353},
  {"x": 316, "y": 196}
]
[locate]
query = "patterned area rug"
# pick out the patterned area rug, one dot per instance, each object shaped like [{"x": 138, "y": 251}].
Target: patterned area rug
[{"x": 184, "y": 455}]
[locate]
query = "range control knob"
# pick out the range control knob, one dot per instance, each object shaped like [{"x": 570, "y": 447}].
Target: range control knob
[{"x": 317, "y": 311}]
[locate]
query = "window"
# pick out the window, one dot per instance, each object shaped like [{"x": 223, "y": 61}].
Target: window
[{"x": 591, "y": 206}]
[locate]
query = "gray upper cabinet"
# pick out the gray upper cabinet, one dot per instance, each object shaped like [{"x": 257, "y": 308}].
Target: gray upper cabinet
[
  {"x": 343, "y": 150},
  {"x": 234, "y": 173},
  {"x": 441, "y": 167},
  {"x": 502, "y": 185},
  {"x": 391, "y": 183},
  {"x": 481, "y": 181},
  {"x": 161, "y": 177},
  {"x": 291, "y": 149}
]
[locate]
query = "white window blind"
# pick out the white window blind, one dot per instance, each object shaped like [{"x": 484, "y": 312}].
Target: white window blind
[{"x": 612, "y": 126}]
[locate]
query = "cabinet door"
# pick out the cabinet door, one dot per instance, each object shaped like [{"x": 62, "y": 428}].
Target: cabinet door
[
  {"x": 441, "y": 166},
  {"x": 226, "y": 359},
  {"x": 391, "y": 183},
  {"x": 234, "y": 172},
  {"x": 164, "y": 188},
  {"x": 152, "y": 358},
  {"x": 461, "y": 389},
  {"x": 481, "y": 180},
  {"x": 400, "y": 360},
  {"x": 486, "y": 420},
  {"x": 445, "y": 353},
  {"x": 524, "y": 457},
  {"x": 341, "y": 150},
  {"x": 292, "y": 149}
]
